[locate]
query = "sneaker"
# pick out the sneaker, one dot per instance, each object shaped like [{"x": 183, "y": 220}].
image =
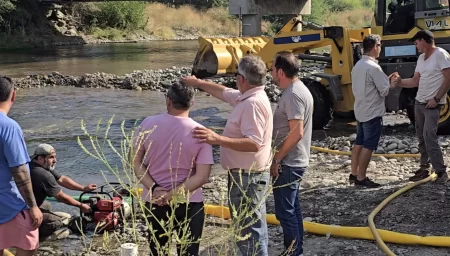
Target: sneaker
[
  {"x": 442, "y": 177},
  {"x": 366, "y": 183},
  {"x": 420, "y": 174},
  {"x": 352, "y": 178}
]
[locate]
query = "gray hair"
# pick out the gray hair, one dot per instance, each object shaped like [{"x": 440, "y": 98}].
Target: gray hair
[
  {"x": 370, "y": 41},
  {"x": 253, "y": 69}
]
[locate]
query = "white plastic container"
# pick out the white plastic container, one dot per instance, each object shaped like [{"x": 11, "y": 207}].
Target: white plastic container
[{"x": 129, "y": 249}]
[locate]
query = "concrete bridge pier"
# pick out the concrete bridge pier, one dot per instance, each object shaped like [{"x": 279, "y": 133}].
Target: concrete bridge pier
[
  {"x": 251, "y": 25},
  {"x": 252, "y": 11}
]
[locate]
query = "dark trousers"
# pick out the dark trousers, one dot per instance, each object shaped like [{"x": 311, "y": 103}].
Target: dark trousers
[
  {"x": 288, "y": 209},
  {"x": 427, "y": 121},
  {"x": 188, "y": 223},
  {"x": 247, "y": 199},
  {"x": 50, "y": 221}
]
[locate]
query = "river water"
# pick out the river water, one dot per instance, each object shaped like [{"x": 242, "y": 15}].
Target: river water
[
  {"x": 54, "y": 115},
  {"x": 117, "y": 59}
]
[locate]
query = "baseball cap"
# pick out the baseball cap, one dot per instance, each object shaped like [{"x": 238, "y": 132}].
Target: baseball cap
[
  {"x": 422, "y": 34},
  {"x": 43, "y": 150}
]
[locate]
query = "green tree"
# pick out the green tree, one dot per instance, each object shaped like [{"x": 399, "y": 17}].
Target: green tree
[
  {"x": 319, "y": 12},
  {"x": 6, "y": 7},
  {"x": 122, "y": 15}
]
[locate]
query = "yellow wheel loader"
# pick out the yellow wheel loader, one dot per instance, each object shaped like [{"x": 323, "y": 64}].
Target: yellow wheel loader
[{"x": 394, "y": 20}]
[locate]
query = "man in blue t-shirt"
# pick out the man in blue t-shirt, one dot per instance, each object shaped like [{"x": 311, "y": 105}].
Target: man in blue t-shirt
[{"x": 20, "y": 216}]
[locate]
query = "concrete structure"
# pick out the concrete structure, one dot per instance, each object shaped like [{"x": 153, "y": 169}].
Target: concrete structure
[{"x": 253, "y": 10}]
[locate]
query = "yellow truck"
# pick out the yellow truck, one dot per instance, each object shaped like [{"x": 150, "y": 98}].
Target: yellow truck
[{"x": 395, "y": 20}]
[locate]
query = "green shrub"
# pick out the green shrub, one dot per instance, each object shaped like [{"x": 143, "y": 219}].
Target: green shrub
[
  {"x": 121, "y": 15},
  {"x": 6, "y": 7},
  {"x": 220, "y": 3},
  {"x": 319, "y": 12},
  {"x": 322, "y": 9}
]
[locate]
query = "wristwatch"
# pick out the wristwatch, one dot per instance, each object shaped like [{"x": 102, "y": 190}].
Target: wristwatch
[
  {"x": 275, "y": 161},
  {"x": 154, "y": 186},
  {"x": 436, "y": 99}
]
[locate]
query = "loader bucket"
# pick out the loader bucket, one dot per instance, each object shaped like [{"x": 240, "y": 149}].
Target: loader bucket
[{"x": 220, "y": 56}]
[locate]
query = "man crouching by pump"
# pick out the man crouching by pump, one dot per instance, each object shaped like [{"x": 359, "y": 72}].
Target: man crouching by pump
[{"x": 46, "y": 183}]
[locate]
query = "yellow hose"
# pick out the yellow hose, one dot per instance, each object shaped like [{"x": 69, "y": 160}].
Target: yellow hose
[
  {"x": 337, "y": 152},
  {"x": 367, "y": 233},
  {"x": 372, "y": 227},
  {"x": 7, "y": 253}
]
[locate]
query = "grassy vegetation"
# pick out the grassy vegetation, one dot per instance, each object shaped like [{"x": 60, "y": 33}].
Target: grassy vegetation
[
  {"x": 157, "y": 19},
  {"x": 116, "y": 20},
  {"x": 161, "y": 21},
  {"x": 20, "y": 20},
  {"x": 347, "y": 13}
]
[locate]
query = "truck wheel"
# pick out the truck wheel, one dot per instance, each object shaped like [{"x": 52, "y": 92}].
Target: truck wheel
[
  {"x": 407, "y": 101},
  {"x": 322, "y": 103},
  {"x": 444, "y": 118}
]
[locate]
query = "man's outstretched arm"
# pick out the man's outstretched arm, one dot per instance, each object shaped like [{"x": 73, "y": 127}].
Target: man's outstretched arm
[
  {"x": 73, "y": 185},
  {"x": 214, "y": 89}
]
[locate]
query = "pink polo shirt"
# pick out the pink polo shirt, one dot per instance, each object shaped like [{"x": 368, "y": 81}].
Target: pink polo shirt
[
  {"x": 172, "y": 152},
  {"x": 251, "y": 118}
]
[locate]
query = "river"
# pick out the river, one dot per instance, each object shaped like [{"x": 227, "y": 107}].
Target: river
[
  {"x": 54, "y": 115},
  {"x": 117, "y": 59}
]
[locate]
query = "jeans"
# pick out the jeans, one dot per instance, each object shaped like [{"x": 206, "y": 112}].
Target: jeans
[
  {"x": 368, "y": 133},
  {"x": 193, "y": 217},
  {"x": 288, "y": 209},
  {"x": 247, "y": 196},
  {"x": 427, "y": 121}
]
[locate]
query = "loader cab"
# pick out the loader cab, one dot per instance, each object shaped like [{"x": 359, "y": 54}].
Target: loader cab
[{"x": 399, "y": 16}]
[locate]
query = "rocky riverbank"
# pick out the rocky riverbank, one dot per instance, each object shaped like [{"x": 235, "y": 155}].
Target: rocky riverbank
[{"x": 152, "y": 80}]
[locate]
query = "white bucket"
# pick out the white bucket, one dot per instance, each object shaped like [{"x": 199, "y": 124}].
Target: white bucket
[{"x": 129, "y": 249}]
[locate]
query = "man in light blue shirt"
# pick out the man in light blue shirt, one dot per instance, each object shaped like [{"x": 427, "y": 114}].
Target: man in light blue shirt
[{"x": 18, "y": 209}]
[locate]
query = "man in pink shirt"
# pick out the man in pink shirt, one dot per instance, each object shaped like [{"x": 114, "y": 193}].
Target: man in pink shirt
[
  {"x": 245, "y": 150},
  {"x": 169, "y": 161}
]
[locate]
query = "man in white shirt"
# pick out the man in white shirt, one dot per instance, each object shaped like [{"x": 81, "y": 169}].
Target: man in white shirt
[
  {"x": 432, "y": 77},
  {"x": 370, "y": 86}
]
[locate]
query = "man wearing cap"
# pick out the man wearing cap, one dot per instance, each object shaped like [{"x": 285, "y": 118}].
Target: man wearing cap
[
  {"x": 432, "y": 77},
  {"x": 46, "y": 182}
]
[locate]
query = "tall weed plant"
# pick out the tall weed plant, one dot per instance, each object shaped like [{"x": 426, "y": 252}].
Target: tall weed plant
[{"x": 98, "y": 145}]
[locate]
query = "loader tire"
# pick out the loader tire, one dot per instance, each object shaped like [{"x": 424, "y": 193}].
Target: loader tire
[
  {"x": 322, "y": 103},
  {"x": 444, "y": 118},
  {"x": 407, "y": 99}
]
